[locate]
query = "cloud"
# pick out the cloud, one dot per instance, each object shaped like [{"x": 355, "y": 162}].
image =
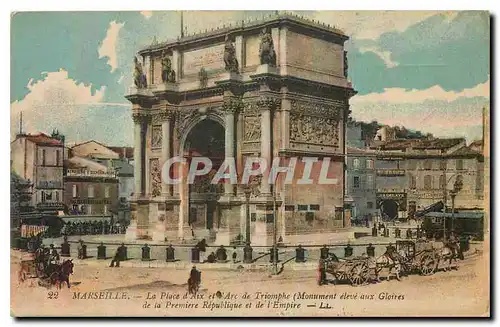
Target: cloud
[
  {"x": 401, "y": 95},
  {"x": 433, "y": 110},
  {"x": 54, "y": 101},
  {"x": 108, "y": 47},
  {"x": 384, "y": 55},
  {"x": 147, "y": 14},
  {"x": 372, "y": 24}
]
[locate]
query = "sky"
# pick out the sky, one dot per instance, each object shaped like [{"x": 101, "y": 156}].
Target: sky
[{"x": 419, "y": 69}]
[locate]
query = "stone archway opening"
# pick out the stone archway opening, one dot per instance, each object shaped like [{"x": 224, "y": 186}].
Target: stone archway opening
[
  {"x": 389, "y": 209},
  {"x": 205, "y": 139}
]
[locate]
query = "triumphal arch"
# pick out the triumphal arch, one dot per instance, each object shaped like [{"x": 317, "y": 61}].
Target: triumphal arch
[{"x": 275, "y": 89}]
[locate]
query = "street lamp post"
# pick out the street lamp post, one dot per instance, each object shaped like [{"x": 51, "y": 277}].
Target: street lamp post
[
  {"x": 248, "y": 192},
  {"x": 275, "y": 246},
  {"x": 453, "y": 194}
]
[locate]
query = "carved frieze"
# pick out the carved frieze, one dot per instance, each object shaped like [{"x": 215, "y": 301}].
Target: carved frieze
[
  {"x": 317, "y": 109},
  {"x": 251, "y": 128},
  {"x": 155, "y": 171},
  {"x": 156, "y": 136},
  {"x": 314, "y": 130}
]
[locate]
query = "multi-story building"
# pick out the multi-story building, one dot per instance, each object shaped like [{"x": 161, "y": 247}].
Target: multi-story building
[
  {"x": 415, "y": 174},
  {"x": 360, "y": 183},
  {"x": 116, "y": 159},
  {"x": 39, "y": 158},
  {"x": 90, "y": 191}
]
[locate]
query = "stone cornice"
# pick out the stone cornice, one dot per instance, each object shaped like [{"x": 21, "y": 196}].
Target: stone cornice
[{"x": 283, "y": 20}]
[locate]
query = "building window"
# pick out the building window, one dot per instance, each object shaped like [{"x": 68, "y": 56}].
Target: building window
[
  {"x": 105, "y": 209},
  {"x": 413, "y": 181},
  {"x": 369, "y": 163},
  {"x": 89, "y": 209},
  {"x": 442, "y": 182},
  {"x": 369, "y": 205},
  {"x": 442, "y": 165},
  {"x": 75, "y": 194},
  {"x": 106, "y": 191},
  {"x": 369, "y": 182},
  {"x": 314, "y": 207},
  {"x": 57, "y": 157},
  {"x": 356, "y": 182},
  {"x": 289, "y": 207},
  {"x": 355, "y": 163},
  {"x": 57, "y": 196},
  {"x": 460, "y": 164},
  {"x": 427, "y": 182},
  {"x": 91, "y": 191},
  {"x": 302, "y": 207},
  {"x": 43, "y": 157},
  {"x": 428, "y": 164}
]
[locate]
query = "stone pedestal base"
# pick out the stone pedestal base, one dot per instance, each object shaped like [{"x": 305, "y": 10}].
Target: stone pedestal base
[
  {"x": 159, "y": 233},
  {"x": 133, "y": 232},
  {"x": 263, "y": 234},
  {"x": 266, "y": 69}
]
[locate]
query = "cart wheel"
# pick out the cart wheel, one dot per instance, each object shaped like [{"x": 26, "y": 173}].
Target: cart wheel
[
  {"x": 359, "y": 274},
  {"x": 427, "y": 265}
]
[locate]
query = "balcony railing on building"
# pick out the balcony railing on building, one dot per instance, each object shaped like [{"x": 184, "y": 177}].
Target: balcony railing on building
[
  {"x": 391, "y": 172},
  {"x": 49, "y": 184},
  {"x": 89, "y": 173}
]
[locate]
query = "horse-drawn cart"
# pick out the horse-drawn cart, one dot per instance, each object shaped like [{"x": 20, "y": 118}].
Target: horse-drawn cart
[
  {"x": 355, "y": 270},
  {"x": 408, "y": 256},
  {"x": 28, "y": 268},
  {"x": 418, "y": 256}
]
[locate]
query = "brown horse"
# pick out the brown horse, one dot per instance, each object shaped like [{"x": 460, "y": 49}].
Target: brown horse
[{"x": 61, "y": 274}]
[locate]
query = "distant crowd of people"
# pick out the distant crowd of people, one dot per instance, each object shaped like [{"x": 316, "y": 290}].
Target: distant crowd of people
[{"x": 92, "y": 228}]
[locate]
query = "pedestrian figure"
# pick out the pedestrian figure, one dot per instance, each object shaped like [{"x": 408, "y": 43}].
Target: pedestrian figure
[
  {"x": 54, "y": 256},
  {"x": 119, "y": 256},
  {"x": 235, "y": 255},
  {"x": 194, "y": 280}
]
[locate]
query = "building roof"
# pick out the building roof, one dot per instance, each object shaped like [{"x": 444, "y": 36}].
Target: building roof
[
  {"x": 465, "y": 151},
  {"x": 123, "y": 151},
  {"x": 41, "y": 139},
  {"x": 437, "y": 143},
  {"x": 359, "y": 151},
  {"x": 477, "y": 143},
  {"x": 421, "y": 144}
]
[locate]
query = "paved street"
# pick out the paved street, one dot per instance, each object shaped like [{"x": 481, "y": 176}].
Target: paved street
[{"x": 423, "y": 295}]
